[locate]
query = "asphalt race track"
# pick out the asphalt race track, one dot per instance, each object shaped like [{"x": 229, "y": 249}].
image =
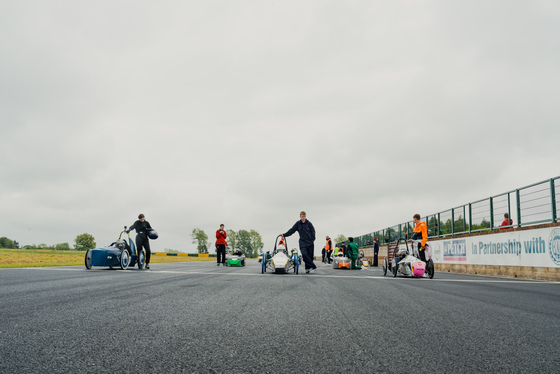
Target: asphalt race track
[{"x": 200, "y": 318}]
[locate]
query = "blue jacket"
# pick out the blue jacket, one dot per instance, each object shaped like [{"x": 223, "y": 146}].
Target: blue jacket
[{"x": 306, "y": 232}]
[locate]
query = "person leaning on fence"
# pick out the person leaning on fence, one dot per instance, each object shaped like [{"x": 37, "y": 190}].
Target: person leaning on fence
[{"x": 507, "y": 222}]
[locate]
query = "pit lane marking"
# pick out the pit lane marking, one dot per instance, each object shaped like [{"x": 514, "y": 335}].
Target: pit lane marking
[{"x": 314, "y": 275}]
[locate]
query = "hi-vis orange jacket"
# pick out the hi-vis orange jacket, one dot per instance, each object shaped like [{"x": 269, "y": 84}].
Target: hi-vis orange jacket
[
  {"x": 328, "y": 247},
  {"x": 423, "y": 229}
]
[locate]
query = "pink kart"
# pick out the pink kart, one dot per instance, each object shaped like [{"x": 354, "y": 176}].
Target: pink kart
[{"x": 406, "y": 261}]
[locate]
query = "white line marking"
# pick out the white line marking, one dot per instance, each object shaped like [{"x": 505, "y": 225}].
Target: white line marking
[{"x": 315, "y": 275}]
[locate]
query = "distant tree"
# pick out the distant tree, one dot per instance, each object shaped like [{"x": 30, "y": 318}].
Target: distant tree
[
  {"x": 256, "y": 242},
  {"x": 339, "y": 239},
  {"x": 62, "y": 247},
  {"x": 244, "y": 243},
  {"x": 200, "y": 238},
  {"x": 8, "y": 243},
  {"x": 232, "y": 239},
  {"x": 171, "y": 250},
  {"x": 83, "y": 242}
]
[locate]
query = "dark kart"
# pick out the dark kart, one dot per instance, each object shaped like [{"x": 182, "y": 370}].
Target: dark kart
[{"x": 121, "y": 254}]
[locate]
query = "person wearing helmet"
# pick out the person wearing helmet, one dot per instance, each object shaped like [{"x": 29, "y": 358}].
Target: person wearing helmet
[
  {"x": 420, "y": 233},
  {"x": 142, "y": 228},
  {"x": 306, "y": 238}
]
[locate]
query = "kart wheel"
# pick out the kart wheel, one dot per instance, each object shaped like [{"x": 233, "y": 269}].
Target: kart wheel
[
  {"x": 142, "y": 259},
  {"x": 263, "y": 265},
  {"x": 431, "y": 270},
  {"x": 125, "y": 260},
  {"x": 88, "y": 259},
  {"x": 385, "y": 266},
  {"x": 394, "y": 269},
  {"x": 243, "y": 263}
]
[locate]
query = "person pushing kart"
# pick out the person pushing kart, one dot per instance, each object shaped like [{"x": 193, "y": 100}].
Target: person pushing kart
[
  {"x": 420, "y": 233},
  {"x": 353, "y": 253},
  {"x": 306, "y": 238},
  {"x": 142, "y": 228}
]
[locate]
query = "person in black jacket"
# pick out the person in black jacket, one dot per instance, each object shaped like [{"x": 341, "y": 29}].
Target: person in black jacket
[
  {"x": 375, "y": 251},
  {"x": 306, "y": 238},
  {"x": 142, "y": 228}
]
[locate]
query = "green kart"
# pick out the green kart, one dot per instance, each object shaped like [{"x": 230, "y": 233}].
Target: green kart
[{"x": 235, "y": 259}]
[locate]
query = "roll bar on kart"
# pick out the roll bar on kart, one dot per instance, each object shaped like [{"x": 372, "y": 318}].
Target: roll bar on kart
[
  {"x": 132, "y": 247},
  {"x": 397, "y": 246},
  {"x": 276, "y": 243}
]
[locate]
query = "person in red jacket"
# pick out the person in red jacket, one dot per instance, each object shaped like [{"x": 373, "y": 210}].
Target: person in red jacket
[
  {"x": 221, "y": 236},
  {"x": 507, "y": 222}
]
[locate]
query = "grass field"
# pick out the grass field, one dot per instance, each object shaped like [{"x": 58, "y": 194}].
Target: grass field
[{"x": 19, "y": 258}]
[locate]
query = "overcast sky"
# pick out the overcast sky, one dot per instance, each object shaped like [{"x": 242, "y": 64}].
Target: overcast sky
[{"x": 197, "y": 113}]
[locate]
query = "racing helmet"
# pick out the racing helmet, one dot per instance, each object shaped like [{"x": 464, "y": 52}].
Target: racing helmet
[
  {"x": 120, "y": 244},
  {"x": 401, "y": 252},
  {"x": 153, "y": 234}
]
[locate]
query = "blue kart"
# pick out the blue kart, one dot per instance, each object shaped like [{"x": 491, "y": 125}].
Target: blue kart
[{"x": 118, "y": 254}]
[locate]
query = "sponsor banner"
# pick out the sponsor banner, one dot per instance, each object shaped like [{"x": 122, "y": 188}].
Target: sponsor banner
[
  {"x": 455, "y": 250},
  {"x": 540, "y": 248}
]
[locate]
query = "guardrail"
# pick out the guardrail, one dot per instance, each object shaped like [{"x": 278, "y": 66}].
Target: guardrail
[{"x": 530, "y": 205}]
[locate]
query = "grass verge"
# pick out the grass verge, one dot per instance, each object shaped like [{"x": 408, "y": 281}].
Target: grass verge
[{"x": 22, "y": 258}]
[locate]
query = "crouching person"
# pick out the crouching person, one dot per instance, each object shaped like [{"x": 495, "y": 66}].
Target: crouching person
[{"x": 353, "y": 253}]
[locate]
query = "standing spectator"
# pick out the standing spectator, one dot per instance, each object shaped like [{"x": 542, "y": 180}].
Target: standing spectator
[
  {"x": 306, "y": 238},
  {"x": 420, "y": 233},
  {"x": 507, "y": 222},
  {"x": 375, "y": 251},
  {"x": 329, "y": 249},
  {"x": 438, "y": 231},
  {"x": 221, "y": 243},
  {"x": 142, "y": 228}
]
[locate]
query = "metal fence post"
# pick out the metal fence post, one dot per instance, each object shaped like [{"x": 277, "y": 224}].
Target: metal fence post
[
  {"x": 553, "y": 200},
  {"x": 452, "y": 221},
  {"x": 518, "y": 208},
  {"x": 439, "y": 223},
  {"x": 509, "y": 206},
  {"x": 491, "y": 213},
  {"x": 470, "y": 218}
]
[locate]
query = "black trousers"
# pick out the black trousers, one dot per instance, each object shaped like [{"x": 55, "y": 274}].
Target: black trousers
[
  {"x": 307, "y": 254},
  {"x": 329, "y": 254},
  {"x": 375, "y": 255},
  {"x": 143, "y": 241},
  {"x": 221, "y": 251}
]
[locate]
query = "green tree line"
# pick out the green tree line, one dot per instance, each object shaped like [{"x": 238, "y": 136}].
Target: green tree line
[
  {"x": 248, "y": 242},
  {"x": 82, "y": 242}
]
